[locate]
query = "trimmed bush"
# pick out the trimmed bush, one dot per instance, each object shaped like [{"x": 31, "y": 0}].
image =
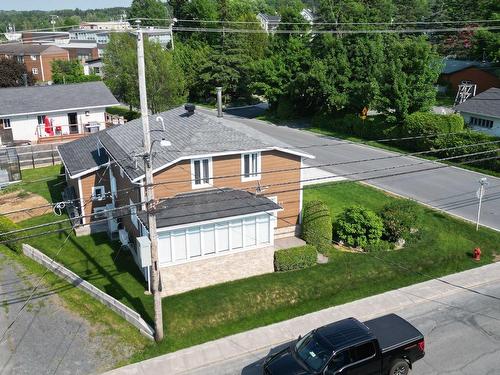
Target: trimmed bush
[
  {"x": 357, "y": 227},
  {"x": 399, "y": 218},
  {"x": 7, "y": 225},
  {"x": 125, "y": 112},
  {"x": 316, "y": 224},
  {"x": 295, "y": 258},
  {"x": 423, "y": 123}
]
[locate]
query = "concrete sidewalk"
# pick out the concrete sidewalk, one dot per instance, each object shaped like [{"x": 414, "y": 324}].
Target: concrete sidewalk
[{"x": 186, "y": 360}]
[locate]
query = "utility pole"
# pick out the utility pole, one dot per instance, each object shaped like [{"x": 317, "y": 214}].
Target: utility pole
[
  {"x": 482, "y": 182},
  {"x": 148, "y": 171},
  {"x": 53, "y": 18}
]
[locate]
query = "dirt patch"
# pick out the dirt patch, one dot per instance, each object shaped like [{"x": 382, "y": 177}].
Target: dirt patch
[{"x": 20, "y": 200}]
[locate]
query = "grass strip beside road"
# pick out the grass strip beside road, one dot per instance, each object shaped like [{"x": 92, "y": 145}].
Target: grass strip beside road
[{"x": 442, "y": 247}]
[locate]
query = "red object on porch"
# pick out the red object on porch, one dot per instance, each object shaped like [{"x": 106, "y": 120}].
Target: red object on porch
[
  {"x": 58, "y": 129},
  {"x": 48, "y": 126}
]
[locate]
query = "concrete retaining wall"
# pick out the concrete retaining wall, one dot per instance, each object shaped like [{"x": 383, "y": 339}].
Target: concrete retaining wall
[{"x": 126, "y": 312}]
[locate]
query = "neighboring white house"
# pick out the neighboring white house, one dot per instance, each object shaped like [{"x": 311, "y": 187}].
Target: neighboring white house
[
  {"x": 43, "y": 113},
  {"x": 482, "y": 112},
  {"x": 269, "y": 22}
]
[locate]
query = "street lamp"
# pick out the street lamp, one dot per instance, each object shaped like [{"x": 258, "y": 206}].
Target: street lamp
[{"x": 480, "y": 192}]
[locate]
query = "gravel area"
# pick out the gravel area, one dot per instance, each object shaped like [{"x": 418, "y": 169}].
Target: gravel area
[{"x": 47, "y": 338}]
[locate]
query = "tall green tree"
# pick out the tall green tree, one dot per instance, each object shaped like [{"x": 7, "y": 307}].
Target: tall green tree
[
  {"x": 164, "y": 78},
  {"x": 11, "y": 73},
  {"x": 154, "y": 11},
  {"x": 70, "y": 72}
]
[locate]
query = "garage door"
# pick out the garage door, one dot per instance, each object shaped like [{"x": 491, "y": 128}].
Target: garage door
[{"x": 199, "y": 241}]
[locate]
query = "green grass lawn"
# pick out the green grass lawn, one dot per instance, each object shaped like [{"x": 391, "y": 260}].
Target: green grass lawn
[
  {"x": 443, "y": 247},
  {"x": 45, "y": 181}
]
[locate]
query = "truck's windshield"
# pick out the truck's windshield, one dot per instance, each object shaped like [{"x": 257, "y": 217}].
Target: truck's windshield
[{"x": 313, "y": 351}]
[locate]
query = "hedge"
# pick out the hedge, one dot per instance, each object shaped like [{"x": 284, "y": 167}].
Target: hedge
[
  {"x": 7, "y": 225},
  {"x": 125, "y": 112},
  {"x": 295, "y": 258},
  {"x": 316, "y": 224},
  {"x": 424, "y": 123}
]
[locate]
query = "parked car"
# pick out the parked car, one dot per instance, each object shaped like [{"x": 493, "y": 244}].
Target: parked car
[{"x": 388, "y": 345}]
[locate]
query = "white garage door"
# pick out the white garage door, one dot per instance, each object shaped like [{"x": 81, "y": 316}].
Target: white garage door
[{"x": 223, "y": 237}]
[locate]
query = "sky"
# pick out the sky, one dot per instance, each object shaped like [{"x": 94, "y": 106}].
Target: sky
[{"x": 60, "y": 4}]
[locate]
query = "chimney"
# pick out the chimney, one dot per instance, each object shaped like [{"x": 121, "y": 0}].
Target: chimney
[
  {"x": 219, "y": 101},
  {"x": 189, "y": 108}
]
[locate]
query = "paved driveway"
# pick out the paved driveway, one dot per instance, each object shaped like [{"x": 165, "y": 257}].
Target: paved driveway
[{"x": 445, "y": 188}]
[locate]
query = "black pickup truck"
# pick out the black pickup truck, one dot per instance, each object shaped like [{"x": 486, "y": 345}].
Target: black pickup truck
[{"x": 388, "y": 345}]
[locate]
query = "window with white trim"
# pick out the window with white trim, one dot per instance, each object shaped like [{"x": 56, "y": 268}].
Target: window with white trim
[
  {"x": 5, "y": 122},
  {"x": 33, "y": 57},
  {"x": 133, "y": 214},
  {"x": 34, "y": 71},
  {"x": 98, "y": 193},
  {"x": 250, "y": 166},
  {"x": 41, "y": 119},
  {"x": 201, "y": 172}
]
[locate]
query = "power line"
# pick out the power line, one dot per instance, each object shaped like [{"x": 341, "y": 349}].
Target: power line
[{"x": 250, "y": 190}]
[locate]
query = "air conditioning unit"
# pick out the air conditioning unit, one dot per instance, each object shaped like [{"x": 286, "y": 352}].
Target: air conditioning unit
[{"x": 143, "y": 246}]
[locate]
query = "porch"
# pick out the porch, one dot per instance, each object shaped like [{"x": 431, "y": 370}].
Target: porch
[{"x": 50, "y": 133}]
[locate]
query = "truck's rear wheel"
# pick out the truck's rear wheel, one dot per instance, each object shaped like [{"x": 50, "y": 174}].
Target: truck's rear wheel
[{"x": 400, "y": 367}]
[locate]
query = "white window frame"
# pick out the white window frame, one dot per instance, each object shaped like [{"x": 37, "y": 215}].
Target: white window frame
[
  {"x": 6, "y": 123},
  {"x": 251, "y": 176},
  {"x": 202, "y": 184},
  {"x": 96, "y": 197},
  {"x": 34, "y": 71},
  {"x": 33, "y": 57}
]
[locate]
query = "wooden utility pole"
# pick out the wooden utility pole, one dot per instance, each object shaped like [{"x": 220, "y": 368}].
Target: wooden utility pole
[{"x": 148, "y": 171}]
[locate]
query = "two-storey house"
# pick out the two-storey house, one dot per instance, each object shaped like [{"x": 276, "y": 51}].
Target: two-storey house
[
  {"x": 36, "y": 58},
  {"x": 225, "y": 193}
]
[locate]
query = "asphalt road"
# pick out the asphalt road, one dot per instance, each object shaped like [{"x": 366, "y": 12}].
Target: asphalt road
[
  {"x": 442, "y": 187},
  {"x": 462, "y": 334}
]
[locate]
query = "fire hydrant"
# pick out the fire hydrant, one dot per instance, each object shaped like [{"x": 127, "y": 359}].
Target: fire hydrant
[{"x": 477, "y": 254}]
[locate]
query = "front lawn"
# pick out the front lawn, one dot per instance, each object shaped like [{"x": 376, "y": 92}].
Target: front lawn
[{"x": 213, "y": 312}]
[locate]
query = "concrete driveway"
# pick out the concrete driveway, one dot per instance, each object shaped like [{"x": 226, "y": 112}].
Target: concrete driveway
[{"x": 450, "y": 189}]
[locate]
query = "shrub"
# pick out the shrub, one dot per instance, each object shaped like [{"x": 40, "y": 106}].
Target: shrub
[
  {"x": 284, "y": 108},
  {"x": 295, "y": 258},
  {"x": 357, "y": 227},
  {"x": 125, "y": 112},
  {"x": 316, "y": 224},
  {"x": 7, "y": 225},
  {"x": 424, "y": 123},
  {"x": 399, "y": 218}
]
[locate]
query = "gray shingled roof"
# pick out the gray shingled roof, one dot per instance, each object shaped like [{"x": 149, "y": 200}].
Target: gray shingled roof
[
  {"x": 486, "y": 103},
  {"x": 45, "y": 99},
  {"x": 27, "y": 49},
  {"x": 82, "y": 154},
  {"x": 209, "y": 205},
  {"x": 452, "y": 66},
  {"x": 190, "y": 135}
]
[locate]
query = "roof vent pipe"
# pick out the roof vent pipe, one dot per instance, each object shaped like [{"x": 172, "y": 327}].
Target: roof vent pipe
[
  {"x": 219, "y": 101},
  {"x": 189, "y": 108}
]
